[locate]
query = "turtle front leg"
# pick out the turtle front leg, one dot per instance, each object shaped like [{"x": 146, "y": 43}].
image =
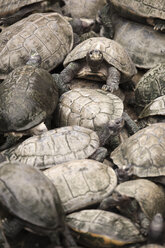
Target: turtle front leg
[
  {"x": 113, "y": 79},
  {"x": 69, "y": 72},
  {"x": 113, "y": 200},
  {"x": 159, "y": 25},
  {"x": 3, "y": 241}
]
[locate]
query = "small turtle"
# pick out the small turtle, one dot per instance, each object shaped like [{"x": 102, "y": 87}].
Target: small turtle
[
  {"x": 153, "y": 112},
  {"x": 140, "y": 200},
  {"x": 76, "y": 185},
  {"x": 28, "y": 96},
  {"x": 47, "y": 33},
  {"x": 150, "y": 86},
  {"x": 83, "y": 8},
  {"x": 33, "y": 203},
  {"x": 90, "y": 108},
  {"x": 61, "y": 145},
  {"x": 99, "y": 228},
  {"x": 149, "y": 11},
  {"x": 142, "y": 154},
  {"x": 99, "y": 58},
  {"x": 13, "y": 10}
]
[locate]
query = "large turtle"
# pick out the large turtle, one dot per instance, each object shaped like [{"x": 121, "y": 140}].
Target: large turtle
[
  {"x": 61, "y": 145},
  {"x": 47, "y": 33},
  {"x": 148, "y": 11},
  {"x": 103, "y": 229},
  {"x": 33, "y": 203},
  {"x": 28, "y": 96},
  {"x": 99, "y": 58},
  {"x": 12, "y": 10}
]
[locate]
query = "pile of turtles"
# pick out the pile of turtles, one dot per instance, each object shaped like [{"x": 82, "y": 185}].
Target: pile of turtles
[{"x": 82, "y": 123}]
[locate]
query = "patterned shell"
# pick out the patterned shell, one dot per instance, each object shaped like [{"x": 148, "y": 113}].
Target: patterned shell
[
  {"x": 113, "y": 53},
  {"x": 143, "y": 8},
  {"x": 144, "y": 151},
  {"x": 48, "y": 33},
  {"x": 54, "y": 147},
  {"x": 151, "y": 85},
  {"x": 156, "y": 107},
  {"x": 89, "y": 108},
  {"x": 76, "y": 185},
  {"x": 11, "y": 6}
]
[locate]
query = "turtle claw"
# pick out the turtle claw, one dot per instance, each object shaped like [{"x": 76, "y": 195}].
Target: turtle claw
[
  {"x": 159, "y": 26},
  {"x": 111, "y": 88}
]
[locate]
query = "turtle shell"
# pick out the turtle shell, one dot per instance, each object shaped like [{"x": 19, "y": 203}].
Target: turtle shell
[
  {"x": 28, "y": 198},
  {"x": 47, "y": 33},
  {"x": 11, "y": 6},
  {"x": 83, "y": 8},
  {"x": 141, "y": 43},
  {"x": 99, "y": 228},
  {"x": 91, "y": 108},
  {"x": 144, "y": 151},
  {"x": 142, "y": 8},
  {"x": 27, "y": 97},
  {"x": 156, "y": 107},
  {"x": 150, "y": 196},
  {"x": 54, "y": 147},
  {"x": 76, "y": 185},
  {"x": 151, "y": 85},
  {"x": 113, "y": 53}
]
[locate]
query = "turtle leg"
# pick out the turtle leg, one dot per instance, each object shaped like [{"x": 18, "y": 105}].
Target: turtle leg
[
  {"x": 11, "y": 140},
  {"x": 12, "y": 227},
  {"x": 131, "y": 126},
  {"x": 159, "y": 25},
  {"x": 100, "y": 154},
  {"x": 3, "y": 241},
  {"x": 113, "y": 200},
  {"x": 70, "y": 71},
  {"x": 113, "y": 79}
]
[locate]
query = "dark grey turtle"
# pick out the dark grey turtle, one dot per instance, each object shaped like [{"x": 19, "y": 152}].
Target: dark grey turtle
[
  {"x": 140, "y": 200},
  {"x": 33, "y": 203},
  {"x": 100, "y": 59},
  {"x": 13, "y": 10},
  {"x": 61, "y": 145},
  {"x": 83, "y": 8},
  {"x": 153, "y": 112},
  {"x": 150, "y": 86},
  {"x": 76, "y": 185},
  {"x": 28, "y": 96},
  {"x": 142, "y": 154},
  {"x": 148, "y": 11},
  {"x": 47, "y": 33},
  {"x": 90, "y": 108},
  {"x": 98, "y": 228}
]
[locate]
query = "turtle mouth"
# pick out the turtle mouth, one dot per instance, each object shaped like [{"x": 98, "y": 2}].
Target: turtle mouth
[{"x": 94, "y": 59}]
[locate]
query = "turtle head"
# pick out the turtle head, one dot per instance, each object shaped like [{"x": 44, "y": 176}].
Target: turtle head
[{"x": 94, "y": 59}]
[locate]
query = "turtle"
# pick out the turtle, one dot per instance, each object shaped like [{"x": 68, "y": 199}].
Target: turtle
[
  {"x": 28, "y": 96},
  {"x": 99, "y": 58},
  {"x": 32, "y": 203},
  {"x": 99, "y": 228},
  {"x": 84, "y": 8},
  {"x": 49, "y": 34},
  {"x": 153, "y": 112},
  {"x": 76, "y": 185},
  {"x": 150, "y": 86},
  {"x": 13, "y": 10},
  {"x": 149, "y": 12},
  {"x": 61, "y": 145},
  {"x": 139, "y": 199},
  {"x": 142, "y": 154}
]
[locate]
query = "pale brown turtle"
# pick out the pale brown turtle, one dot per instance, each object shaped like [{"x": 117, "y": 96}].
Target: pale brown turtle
[
  {"x": 47, "y": 33},
  {"x": 76, "y": 185},
  {"x": 99, "y": 58},
  {"x": 142, "y": 154}
]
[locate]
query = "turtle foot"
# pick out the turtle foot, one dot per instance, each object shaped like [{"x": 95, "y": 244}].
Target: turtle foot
[
  {"x": 110, "y": 88},
  {"x": 159, "y": 25}
]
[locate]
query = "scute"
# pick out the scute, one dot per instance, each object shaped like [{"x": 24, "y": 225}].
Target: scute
[
  {"x": 78, "y": 187},
  {"x": 144, "y": 151},
  {"x": 113, "y": 53}
]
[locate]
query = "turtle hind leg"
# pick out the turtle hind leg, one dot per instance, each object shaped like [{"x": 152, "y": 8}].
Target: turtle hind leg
[
  {"x": 11, "y": 140},
  {"x": 159, "y": 25},
  {"x": 12, "y": 227},
  {"x": 113, "y": 79},
  {"x": 3, "y": 241},
  {"x": 100, "y": 154}
]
